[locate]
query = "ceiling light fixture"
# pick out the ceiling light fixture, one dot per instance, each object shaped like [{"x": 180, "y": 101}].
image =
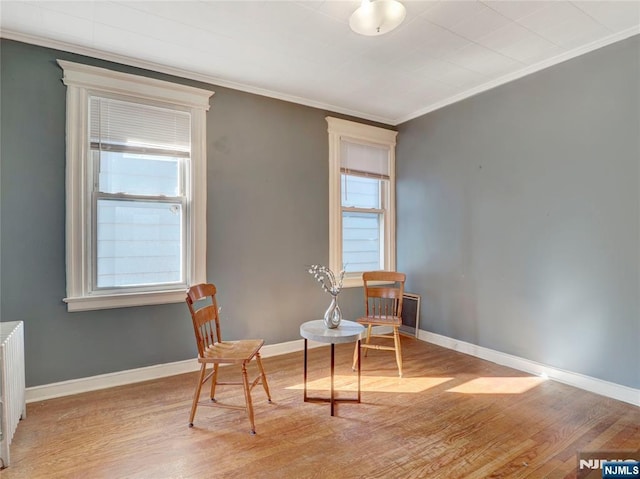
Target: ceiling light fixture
[{"x": 377, "y": 17}]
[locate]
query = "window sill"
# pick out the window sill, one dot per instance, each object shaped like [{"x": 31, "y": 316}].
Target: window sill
[
  {"x": 89, "y": 303},
  {"x": 355, "y": 282},
  {"x": 358, "y": 283}
]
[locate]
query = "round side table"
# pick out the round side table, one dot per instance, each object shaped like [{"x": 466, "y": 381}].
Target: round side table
[{"x": 347, "y": 332}]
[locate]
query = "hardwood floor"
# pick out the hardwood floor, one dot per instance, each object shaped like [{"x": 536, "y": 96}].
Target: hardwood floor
[{"x": 450, "y": 416}]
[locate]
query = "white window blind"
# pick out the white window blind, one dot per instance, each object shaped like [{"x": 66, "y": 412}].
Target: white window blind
[
  {"x": 358, "y": 159},
  {"x": 134, "y": 127}
]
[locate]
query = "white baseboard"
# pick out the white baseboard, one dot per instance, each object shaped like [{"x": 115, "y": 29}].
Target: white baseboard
[
  {"x": 102, "y": 381},
  {"x": 119, "y": 378},
  {"x": 594, "y": 385}
]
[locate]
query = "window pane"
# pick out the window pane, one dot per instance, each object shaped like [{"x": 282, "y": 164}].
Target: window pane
[
  {"x": 138, "y": 243},
  {"x": 138, "y": 174},
  {"x": 360, "y": 192},
  {"x": 361, "y": 241}
]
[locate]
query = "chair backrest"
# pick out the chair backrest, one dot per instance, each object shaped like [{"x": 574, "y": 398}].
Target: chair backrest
[
  {"x": 201, "y": 299},
  {"x": 383, "y": 300}
]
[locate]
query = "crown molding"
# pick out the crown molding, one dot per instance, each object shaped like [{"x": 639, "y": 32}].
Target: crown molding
[
  {"x": 158, "y": 67},
  {"x": 603, "y": 42},
  {"x": 182, "y": 73}
]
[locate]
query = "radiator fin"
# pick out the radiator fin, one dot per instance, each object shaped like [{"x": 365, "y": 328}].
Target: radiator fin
[{"x": 12, "y": 384}]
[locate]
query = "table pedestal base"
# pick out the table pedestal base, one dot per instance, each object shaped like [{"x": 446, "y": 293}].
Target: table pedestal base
[{"x": 332, "y": 400}]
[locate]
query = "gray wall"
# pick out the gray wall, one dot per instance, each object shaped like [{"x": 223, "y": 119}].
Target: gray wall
[
  {"x": 267, "y": 219},
  {"x": 519, "y": 211},
  {"x": 518, "y": 220}
]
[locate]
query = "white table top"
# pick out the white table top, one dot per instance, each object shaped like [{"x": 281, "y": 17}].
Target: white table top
[{"x": 347, "y": 332}]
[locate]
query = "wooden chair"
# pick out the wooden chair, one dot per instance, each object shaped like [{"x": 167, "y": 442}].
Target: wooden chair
[
  {"x": 213, "y": 350},
  {"x": 383, "y": 307}
]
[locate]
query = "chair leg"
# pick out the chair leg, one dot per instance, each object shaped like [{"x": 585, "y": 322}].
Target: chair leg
[
  {"x": 396, "y": 340},
  {"x": 247, "y": 397},
  {"x": 366, "y": 350},
  {"x": 196, "y": 396},
  {"x": 355, "y": 357},
  {"x": 214, "y": 382},
  {"x": 265, "y": 385}
]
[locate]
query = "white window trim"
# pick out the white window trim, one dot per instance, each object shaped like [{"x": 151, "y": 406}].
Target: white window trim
[
  {"x": 350, "y": 130},
  {"x": 81, "y": 80}
]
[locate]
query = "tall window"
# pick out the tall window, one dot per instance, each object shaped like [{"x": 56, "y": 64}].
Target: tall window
[
  {"x": 136, "y": 188},
  {"x": 362, "y": 198}
]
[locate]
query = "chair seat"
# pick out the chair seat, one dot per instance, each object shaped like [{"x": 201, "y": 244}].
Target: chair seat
[
  {"x": 381, "y": 320},
  {"x": 232, "y": 351}
]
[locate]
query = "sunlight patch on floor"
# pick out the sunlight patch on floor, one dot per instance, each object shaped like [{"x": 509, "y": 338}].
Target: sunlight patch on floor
[
  {"x": 499, "y": 385},
  {"x": 373, "y": 384}
]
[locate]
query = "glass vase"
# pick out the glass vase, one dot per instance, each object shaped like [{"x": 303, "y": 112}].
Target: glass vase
[{"x": 333, "y": 315}]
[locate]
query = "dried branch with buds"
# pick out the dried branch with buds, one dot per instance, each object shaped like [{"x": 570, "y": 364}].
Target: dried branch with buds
[{"x": 327, "y": 279}]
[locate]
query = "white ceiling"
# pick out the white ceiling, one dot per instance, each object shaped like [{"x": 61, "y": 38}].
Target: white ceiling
[{"x": 304, "y": 51}]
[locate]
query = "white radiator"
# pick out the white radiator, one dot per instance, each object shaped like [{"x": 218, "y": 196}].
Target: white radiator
[{"x": 12, "y": 396}]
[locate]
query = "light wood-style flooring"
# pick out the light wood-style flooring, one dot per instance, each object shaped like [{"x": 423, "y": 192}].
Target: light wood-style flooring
[{"x": 450, "y": 416}]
